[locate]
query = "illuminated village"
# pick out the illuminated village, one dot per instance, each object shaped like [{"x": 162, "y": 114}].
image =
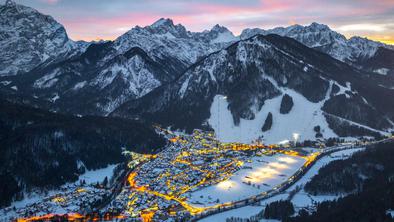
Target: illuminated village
[
  {"x": 192, "y": 176},
  {"x": 163, "y": 187}
]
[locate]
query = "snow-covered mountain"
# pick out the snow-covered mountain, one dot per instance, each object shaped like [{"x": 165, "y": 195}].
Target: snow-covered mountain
[
  {"x": 354, "y": 51},
  {"x": 29, "y": 38},
  {"x": 163, "y": 39},
  {"x": 165, "y": 73},
  {"x": 238, "y": 88},
  {"x": 110, "y": 73}
]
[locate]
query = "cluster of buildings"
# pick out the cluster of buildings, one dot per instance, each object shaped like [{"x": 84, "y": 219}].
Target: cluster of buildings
[
  {"x": 69, "y": 199},
  {"x": 159, "y": 188}
]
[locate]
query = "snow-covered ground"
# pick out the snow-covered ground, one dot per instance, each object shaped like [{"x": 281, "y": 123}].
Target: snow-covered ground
[
  {"x": 90, "y": 177},
  {"x": 302, "y": 118},
  {"x": 263, "y": 173},
  {"x": 248, "y": 210},
  {"x": 300, "y": 200},
  {"x": 94, "y": 176}
]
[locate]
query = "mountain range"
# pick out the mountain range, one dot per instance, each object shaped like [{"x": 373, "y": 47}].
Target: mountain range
[
  {"x": 96, "y": 78},
  {"x": 264, "y": 83},
  {"x": 50, "y": 71}
]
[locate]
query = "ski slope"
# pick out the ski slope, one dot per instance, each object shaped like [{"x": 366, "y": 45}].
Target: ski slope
[{"x": 301, "y": 119}]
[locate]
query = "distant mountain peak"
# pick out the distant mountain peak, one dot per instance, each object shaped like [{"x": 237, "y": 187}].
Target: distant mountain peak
[
  {"x": 162, "y": 22},
  {"x": 313, "y": 27},
  {"x": 319, "y": 26},
  {"x": 165, "y": 26},
  {"x": 220, "y": 34},
  {"x": 219, "y": 28}
]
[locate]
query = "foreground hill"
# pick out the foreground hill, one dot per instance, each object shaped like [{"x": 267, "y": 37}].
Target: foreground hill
[
  {"x": 44, "y": 149},
  {"x": 368, "y": 179}
]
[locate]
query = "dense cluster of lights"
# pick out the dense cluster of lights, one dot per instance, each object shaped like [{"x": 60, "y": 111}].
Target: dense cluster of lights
[
  {"x": 189, "y": 163},
  {"x": 199, "y": 154}
]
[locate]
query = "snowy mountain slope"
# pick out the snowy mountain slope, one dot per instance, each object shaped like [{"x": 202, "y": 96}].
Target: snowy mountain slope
[
  {"x": 29, "y": 38},
  {"x": 93, "y": 83},
  {"x": 252, "y": 73},
  {"x": 381, "y": 63},
  {"x": 319, "y": 36},
  {"x": 302, "y": 119}
]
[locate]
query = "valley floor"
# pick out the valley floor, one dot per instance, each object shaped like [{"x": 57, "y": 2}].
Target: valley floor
[{"x": 193, "y": 177}]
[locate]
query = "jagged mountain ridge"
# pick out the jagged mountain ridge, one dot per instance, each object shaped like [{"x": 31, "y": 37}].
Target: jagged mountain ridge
[
  {"x": 355, "y": 50},
  {"x": 128, "y": 68},
  {"x": 93, "y": 84},
  {"x": 84, "y": 85},
  {"x": 256, "y": 70},
  {"x": 107, "y": 74},
  {"x": 163, "y": 38}
]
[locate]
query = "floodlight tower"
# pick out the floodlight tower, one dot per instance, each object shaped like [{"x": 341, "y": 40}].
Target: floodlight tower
[{"x": 296, "y": 136}]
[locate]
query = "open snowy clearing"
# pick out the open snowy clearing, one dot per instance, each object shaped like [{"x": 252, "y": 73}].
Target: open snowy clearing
[
  {"x": 260, "y": 175},
  {"x": 94, "y": 176}
]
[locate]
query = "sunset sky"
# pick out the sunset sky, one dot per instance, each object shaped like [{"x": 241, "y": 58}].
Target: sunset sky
[{"x": 107, "y": 19}]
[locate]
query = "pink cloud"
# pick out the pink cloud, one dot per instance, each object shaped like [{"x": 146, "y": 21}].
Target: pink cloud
[{"x": 111, "y": 20}]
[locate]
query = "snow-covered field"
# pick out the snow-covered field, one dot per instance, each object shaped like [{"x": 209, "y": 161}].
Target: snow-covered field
[
  {"x": 263, "y": 173},
  {"x": 94, "y": 176},
  {"x": 300, "y": 200},
  {"x": 302, "y": 118}
]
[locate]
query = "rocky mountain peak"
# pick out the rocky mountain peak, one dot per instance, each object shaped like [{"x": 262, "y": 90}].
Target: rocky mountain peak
[
  {"x": 319, "y": 27},
  {"x": 162, "y": 22},
  {"x": 165, "y": 26},
  {"x": 10, "y": 3},
  {"x": 219, "y": 34},
  {"x": 219, "y": 28}
]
